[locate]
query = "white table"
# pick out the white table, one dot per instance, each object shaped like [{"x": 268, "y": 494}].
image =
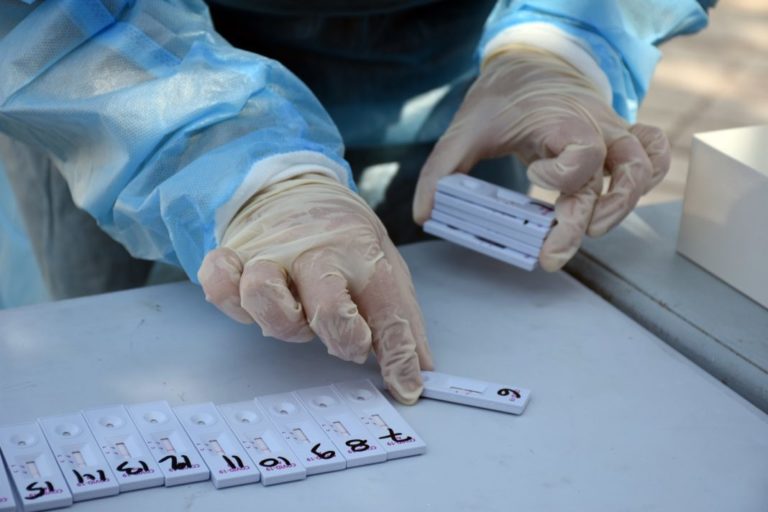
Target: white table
[
  {"x": 618, "y": 419},
  {"x": 637, "y": 269}
]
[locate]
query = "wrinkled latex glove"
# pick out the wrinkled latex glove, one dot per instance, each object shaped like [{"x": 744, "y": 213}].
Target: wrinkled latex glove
[
  {"x": 308, "y": 257},
  {"x": 529, "y": 103}
]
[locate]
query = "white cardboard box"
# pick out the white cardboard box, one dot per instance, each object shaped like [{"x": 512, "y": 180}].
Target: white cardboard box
[{"x": 724, "y": 227}]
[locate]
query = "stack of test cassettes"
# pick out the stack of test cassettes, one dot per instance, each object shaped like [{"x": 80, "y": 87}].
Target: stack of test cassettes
[{"x": 491, "y": 220}]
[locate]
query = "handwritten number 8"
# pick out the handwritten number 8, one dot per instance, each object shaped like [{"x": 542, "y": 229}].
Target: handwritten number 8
[{"x": 357, "y": 445}]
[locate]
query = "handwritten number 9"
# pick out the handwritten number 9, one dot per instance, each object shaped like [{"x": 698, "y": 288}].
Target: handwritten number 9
[
  {"x": 323, "y": 455},
  {"x": 508, "y": 391}
]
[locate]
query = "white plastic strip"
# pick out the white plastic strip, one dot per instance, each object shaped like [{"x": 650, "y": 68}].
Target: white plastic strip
[
  {"x": 125, "y": 450},
  {"x": 486, "y": 395},
  {"x": 497, "y": 198},
  {"x": 34, "y": 471},
  {"x": 83, "y": 465},
  {"x": 228, "y": 461},
  {"x": 485, "y": 233},
  {"x": 528, "y": 233},
  {"x": 463, "y": 239}
]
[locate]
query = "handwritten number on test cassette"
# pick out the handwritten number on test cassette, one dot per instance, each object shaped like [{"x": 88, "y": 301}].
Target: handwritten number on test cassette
[
  {"x": 508, "y": 391},
  {"x": 357, "y": 445},
  {"x": 81, "y": 478},
  {"x": 394, "y": 436},
  {"x": 323, "y": 455},
  {"x": 40, "y": 491},
  {"x": 175, "y": 464},
  {"x": 128, "y": 470},
  {"x": 272, "y": 462},
  {"x": 231, "y": 464}
]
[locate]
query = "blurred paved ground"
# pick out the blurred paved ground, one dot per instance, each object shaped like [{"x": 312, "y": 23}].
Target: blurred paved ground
[{"x": 713, "y": 80}]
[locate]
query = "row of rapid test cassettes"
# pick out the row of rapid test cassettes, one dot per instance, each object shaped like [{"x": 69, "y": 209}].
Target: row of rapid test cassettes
[
  {"x": 274, "y": 438},
  {"x": 491, "y": 220}
]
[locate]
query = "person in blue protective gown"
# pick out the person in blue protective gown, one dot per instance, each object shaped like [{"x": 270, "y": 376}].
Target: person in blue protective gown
[{"x": 212, "y": 137}]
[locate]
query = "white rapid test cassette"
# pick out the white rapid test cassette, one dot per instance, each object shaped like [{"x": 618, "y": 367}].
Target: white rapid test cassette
[
  {"x": 170, "y": 446},
  {"x": 7, "y": 501},
  {"x": 36, "y": 476},
  {"x": 491, "y": 220},
  {"x": 83, "y": 465},
  {"x": 228, "y": 461},
  {"x": 380, "y": 418},
  {"x": 488, "y": 223},
  {"x": 123, "y": 447},
  {"x": 262, "y": 440},
  {"x": 305, "y": 437},
  {"x": 476, "y": 393},
  {"x": 342, "y": 425},
  {"x": 484, "y": 233},
  {"x": 497, "y": 198},
  {"x": 469, "y": 241}
]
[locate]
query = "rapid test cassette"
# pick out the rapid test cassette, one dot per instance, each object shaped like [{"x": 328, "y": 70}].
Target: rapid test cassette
[
  {"x": 511, "y": 242},
  {"x": 305, "y": 437},
  {"x": 264, "y": 443},
  {"x": 228, "y": 461},
  {"x": 491, "y": 220},
  {"x": 476, "y": 393},
  {"x": 381, "y": 419},
  {"x": 170, "y": 446},
  {"x": 124, "y": 449},
  {"x": 81, "y": 461},
  {"x": 495, "y": 223},
  {"x": 497, "y": 198},
  {"x": 344, "y": 428},
  {"x": 480, "y": 245},
  {"x": 35, "y": 473},
  {"x": 7, "y": 501}
]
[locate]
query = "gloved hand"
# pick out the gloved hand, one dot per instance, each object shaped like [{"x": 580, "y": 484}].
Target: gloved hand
[
  {"x": 530, "y": 103},
  {"x": 307, "y": 257}
]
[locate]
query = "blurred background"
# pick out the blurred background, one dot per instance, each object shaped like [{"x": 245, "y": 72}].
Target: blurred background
[{"x": 713, "y": 80}]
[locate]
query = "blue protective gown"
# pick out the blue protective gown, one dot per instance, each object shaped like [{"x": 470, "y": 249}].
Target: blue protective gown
[
  {"x": 23, "y": 283},
  {"x": 156, "y": 121}
]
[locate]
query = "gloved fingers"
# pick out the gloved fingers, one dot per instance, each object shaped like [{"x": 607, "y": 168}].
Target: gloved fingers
[
  {"x": 656, "y": 145},
  {"x": 630, "y": 170},
  {"x": 388, "y": 304},
  {"x": 452, "y": 153},
  {"x": 331, "y": 312},
  {"x": 411, "y": 306},
  {"x": 573, "y": 213},
  {"x": 266, "y": 295},
  {"x": 219, "y": 276},
  {"x": 578, "y": 151}
]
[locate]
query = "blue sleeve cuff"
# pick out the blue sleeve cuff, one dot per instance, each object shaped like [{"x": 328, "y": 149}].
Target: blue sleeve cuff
[
  {"x": 621, "y": 37},
  {"x": 154, "y": 120}
]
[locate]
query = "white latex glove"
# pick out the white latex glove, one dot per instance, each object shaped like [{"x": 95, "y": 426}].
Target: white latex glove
[
  {"x": 308, "y": 257},
  {"x": 529, "y": 103}
]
